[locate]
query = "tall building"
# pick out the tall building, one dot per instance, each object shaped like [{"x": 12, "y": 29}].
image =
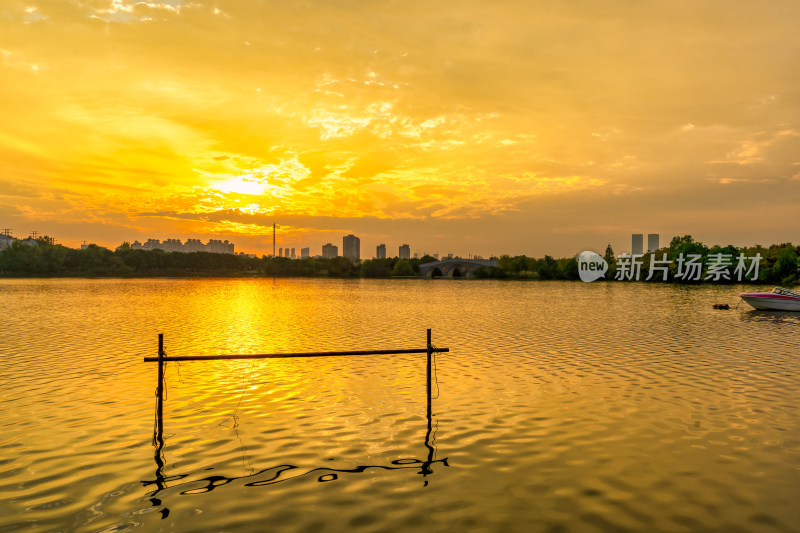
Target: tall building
[
  {"x": 305, "y": 253},
  {"x": 329, "y": 250},
  {"x": 280, "y": 252},
  {"x": 172, "y": 245},
  {"x": 351, "y": 247},
  {"x": 293, "y": 256},
  {"x": 380, "y": 253},
  {"x": 218, "y": 246},
  {"x": 637, "y": 243},
  {"x": 405, "y": 252},
  {"x": 652, "y": 242},
  {"x": 194, "y": 245}
]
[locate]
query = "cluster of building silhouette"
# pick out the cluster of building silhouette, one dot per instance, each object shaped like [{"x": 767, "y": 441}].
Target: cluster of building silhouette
[
  {"x": 351, "y": 246},
  {"x": 351, "y": 249},
  {"x": 214, "y": 246},
  {"x": 6, "y": 239}
]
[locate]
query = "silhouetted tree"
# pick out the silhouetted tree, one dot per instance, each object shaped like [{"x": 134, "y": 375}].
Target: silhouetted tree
[
  {"x": 547, "y": 268},
  {"x": 402, "y": 268},
  {"x": 376, "y": 268},
  {"x": 341, "y": 267},
  {"x": 609, "y": 255},
  {"x": 785, "y": 269}
]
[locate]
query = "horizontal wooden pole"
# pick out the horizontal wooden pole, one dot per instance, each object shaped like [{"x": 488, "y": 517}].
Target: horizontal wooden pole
[{"x": 286, "y": 355}]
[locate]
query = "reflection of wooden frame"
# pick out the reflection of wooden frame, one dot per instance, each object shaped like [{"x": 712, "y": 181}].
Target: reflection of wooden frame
[{"x": 327, "y": 474}]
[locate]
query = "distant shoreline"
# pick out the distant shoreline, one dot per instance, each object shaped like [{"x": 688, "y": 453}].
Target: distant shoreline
[
  {"x": 250, "y": 276},
  {"x": 776, "y": 265}
]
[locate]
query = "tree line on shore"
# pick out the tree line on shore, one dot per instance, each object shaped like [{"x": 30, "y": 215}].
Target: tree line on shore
[{"x": 779, "y": 263}]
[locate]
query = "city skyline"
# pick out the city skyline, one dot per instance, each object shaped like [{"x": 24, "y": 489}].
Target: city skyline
[
  {"x": 351, "y": 245},
  {"x": 526, "y": 128}
]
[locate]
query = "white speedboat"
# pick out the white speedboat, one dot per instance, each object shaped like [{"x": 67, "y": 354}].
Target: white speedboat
[{"x": 779, "y": 299}]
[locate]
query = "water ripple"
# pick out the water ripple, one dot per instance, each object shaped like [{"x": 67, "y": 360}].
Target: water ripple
[{"x": 560, "y": 407}]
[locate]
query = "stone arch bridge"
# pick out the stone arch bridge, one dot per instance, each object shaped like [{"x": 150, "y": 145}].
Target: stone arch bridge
[{"x": 455, "y": 268}]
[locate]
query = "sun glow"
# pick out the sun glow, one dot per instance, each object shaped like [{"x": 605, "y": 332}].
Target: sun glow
[
  {"x": 240, "y": 185},
  {"x": 176, "y": 118}
]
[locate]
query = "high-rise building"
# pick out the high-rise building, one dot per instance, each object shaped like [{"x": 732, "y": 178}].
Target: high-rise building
[
  {"x": 637, "y": 243},
  {"x": 280, "y": 252},
  {"x": 172, "y": 245},
  {"x": 351, "y": 247},
  {"x": 305, "y": 253},
  {"x": 329, "y": 250},
  {"x": 652, "y": 242},
  {"x": 381, "y": 252},
  {"x": 220, "y": 247},
  {"x": 194, "y": 245},
  {"x": 293, "y": 256},
  {"x": 405, "y": 252}
]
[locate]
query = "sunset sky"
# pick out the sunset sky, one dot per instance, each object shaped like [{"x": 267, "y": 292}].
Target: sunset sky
[{"x": 471, "y": 127}]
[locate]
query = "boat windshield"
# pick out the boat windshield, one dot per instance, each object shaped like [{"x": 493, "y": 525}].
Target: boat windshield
[{"x": 785, "y": 292}]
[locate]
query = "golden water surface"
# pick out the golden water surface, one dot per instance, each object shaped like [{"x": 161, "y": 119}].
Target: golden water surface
[{"x": 560, "y": 407}]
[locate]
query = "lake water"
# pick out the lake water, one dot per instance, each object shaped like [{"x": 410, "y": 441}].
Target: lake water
[{"x": 561, "y": 406}]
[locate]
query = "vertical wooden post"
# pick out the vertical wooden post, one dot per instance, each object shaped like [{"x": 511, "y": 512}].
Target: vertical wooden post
[
  {"x": 428, "y": 378},
  {"x": 430, "y": 351},
  {"x": 160, "y": 390},
  {"x": 426, "y": 465}
]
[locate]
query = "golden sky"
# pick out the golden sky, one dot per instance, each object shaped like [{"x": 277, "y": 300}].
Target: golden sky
[{"x": 537, "y": 127}]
